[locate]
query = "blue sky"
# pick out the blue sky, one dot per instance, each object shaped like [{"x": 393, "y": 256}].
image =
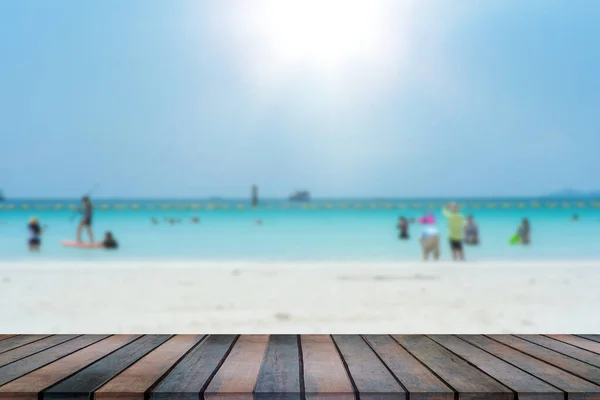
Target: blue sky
[{"x": 181, "y": 99}]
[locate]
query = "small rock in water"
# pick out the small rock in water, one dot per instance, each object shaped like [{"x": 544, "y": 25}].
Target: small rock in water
[
  {"x": 5, "y": 279},
  {"x": 282, "y": 316},
  {"x": 235, "y": 272}
]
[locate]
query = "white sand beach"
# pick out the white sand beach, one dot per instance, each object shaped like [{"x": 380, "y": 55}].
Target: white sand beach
[{"x": 273, "y": 297}]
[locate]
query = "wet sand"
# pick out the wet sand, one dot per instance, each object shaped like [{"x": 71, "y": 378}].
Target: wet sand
[{"x": 288, "y": 297}]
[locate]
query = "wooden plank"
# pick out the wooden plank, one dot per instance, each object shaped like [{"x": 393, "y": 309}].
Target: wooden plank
[
  {"x": 420, "y": 382},
  {"x": 595, "y": 338},
  {"x": 279, "y": 376},
  {"x": 371, "y": 377},
  {"x": 569, "y": 364},
  {"x": 192, "y": 374},
  {"x": 137, "y": 379},
  {"x": 325, "y": 376},
  {"x": 2, "y": 337},
  {"x": 578, "y": 341},
  {"x": 29, "y": 386},
  {"x": 564, "y": 348},
  {"x": 32, "y": 348},
  {"x": 84, "y": 382},
  {"x": 18, "y": 341},
  {"x": 554, "y": 376},
  {"x": 25, "y": 365},
  {"x": 468, "y": 381},
  {"x": 237, "y": 376},
  {"x": 527, "y": 386}
]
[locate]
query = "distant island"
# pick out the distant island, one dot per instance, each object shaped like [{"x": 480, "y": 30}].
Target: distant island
[{"x": 574, "y": 194}]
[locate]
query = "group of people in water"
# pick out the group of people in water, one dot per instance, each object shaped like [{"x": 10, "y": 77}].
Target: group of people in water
[
  {"x": 86, "y": 210},
  {"x": 460, "y": 231},
  {"x": 174, "y": 221}
]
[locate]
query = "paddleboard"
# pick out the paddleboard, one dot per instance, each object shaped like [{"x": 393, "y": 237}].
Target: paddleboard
[
  {"x": 81, "y": 245},
  {"x": 515, "y": 239}
]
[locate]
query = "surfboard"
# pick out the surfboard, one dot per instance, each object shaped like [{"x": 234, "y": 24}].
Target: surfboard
[
  {"x": 81, "y": 245},
  {"x": 514, "y": 239}
]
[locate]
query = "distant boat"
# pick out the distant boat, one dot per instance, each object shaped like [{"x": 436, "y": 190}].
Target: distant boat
[
  {"x": 300, "y": 195},
  {"x": 1, "y": 196}
]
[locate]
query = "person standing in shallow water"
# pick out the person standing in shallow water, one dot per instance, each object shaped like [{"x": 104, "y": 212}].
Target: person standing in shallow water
[
  {"x": 35, "y": 233},
  {"x": 524, "y": 232},
  {"x": 86, "y": 220},
  {"x": 471, "y": 231},
  {"x": 430, "y": 242},
  {"x": 455, "y": 230},
  {"x": 403, "y": 228}
]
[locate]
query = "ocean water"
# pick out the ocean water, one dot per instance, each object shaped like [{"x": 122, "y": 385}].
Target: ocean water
[{"x": 321, "y": 230}]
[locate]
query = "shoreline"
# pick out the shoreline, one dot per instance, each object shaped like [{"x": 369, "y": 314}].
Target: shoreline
[{"x": 277, "y": 264}]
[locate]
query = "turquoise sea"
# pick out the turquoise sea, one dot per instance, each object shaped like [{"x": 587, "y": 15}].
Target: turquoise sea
[{"x": 342, "y": 229}]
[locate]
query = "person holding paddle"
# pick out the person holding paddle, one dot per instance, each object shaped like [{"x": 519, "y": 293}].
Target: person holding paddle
[{"x": 86, "y": 220}]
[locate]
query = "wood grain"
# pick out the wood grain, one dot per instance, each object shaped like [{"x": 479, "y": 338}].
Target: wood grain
[
  {"x": 325, "y": 376},
  {"x": 371, "y": 377},
  {"x": 32, "y": 348},
  {"x": 420, "y": 382},
  {"x": 237, "y": 376},
  {"x": 467, "y": 380},
  {"x": 18, "y": 341},
  {"x": 137, "y": 379},
  {"x": 279, "y": 376},
  {"x": 563, "y": 348},
  {"x": 25, "y": 365},
  {"x": 2, "y": 337},
  {"x": 550, "y": 374},
  {"x": 88, "y": 379},
  {"x": 408, "y": 367},
  {"x": 595, "y": 338},
  {"x": 192, "y": 374},
  {"x": 29, "y": 386},
  {"x": 527, "y": 386},
  {"x": 569, "y": 364},
  {"x": 579, "y": 342}
]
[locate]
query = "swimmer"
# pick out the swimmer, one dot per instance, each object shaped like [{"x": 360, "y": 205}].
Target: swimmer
[
  {"x": 258, "y": 222},
  {"x": 455, "y": 230},
  {"x": 403, "y": 228},
  {"x": 109, "y": 242},
  {"x": 154, "y": 221},
  {"x": 524, "y": 232},
  {"x": 195, "y": 220},
  {"x": 575, "y": 218},
  {"x": 35, "y": 231},
  {"x": 86, "y": 221},
  {"x": 471, "y": 231}
]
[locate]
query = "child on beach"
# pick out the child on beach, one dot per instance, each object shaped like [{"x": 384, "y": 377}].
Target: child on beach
[
  {"x": 86, "y": 220},
  {"x": 455, "y": 230}
]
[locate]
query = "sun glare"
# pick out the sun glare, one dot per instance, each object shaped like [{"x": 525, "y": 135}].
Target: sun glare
[{"x": 328, "y": 36}]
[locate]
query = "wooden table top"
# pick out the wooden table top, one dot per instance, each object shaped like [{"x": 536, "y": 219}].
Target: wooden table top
[{"x": 421, "y": 367}]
